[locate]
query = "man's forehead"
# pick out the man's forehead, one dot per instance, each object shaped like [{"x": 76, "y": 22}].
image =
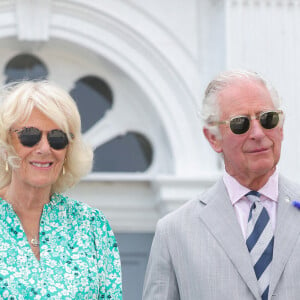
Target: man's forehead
[
  {"x": 245, "y": 95},
  {"x": 244, "y": 91},
  {"x": 244, "y": 86}
]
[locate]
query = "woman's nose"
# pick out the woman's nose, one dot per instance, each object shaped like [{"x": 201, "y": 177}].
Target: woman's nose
[{"x": 43, "y": 145}]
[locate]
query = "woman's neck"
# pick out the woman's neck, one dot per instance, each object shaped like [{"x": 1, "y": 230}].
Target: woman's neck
[{"x": 26, "y": 198}]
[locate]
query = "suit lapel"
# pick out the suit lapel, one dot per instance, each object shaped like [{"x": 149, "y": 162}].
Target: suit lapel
[
  {"x": 220, "y": 219},
  {"x": 287, "y": 231}
]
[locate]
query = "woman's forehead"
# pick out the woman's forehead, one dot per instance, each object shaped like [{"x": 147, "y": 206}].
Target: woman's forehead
[{"x": 37, "y": 119}]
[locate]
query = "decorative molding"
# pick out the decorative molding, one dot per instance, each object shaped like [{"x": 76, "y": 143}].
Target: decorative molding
[
  {"x": 135, "y": 204},
  {"x": 216, "y": 2},
  {"x": 32, "y": 20},
  {"x": 169, "y": 80},
  {"x": 267, "y": 3},
  {"x": 164, "y": 76}
]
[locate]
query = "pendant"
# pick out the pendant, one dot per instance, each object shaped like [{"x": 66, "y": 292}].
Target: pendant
[{"x": 35, "y": 242}]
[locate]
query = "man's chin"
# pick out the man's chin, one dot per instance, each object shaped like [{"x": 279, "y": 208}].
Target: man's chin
[{"x": 261, "y": 168}]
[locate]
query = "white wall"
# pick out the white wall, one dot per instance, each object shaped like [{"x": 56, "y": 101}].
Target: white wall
[
  {"x": 159, "y": 56},
  {"x": 264, "y": 36}
]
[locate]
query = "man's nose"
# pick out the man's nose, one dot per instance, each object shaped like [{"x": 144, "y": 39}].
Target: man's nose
[{"x": 256, "y": 130}]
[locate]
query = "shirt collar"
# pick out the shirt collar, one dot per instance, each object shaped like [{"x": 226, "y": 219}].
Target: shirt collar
[{"x": 236, "y": 191}]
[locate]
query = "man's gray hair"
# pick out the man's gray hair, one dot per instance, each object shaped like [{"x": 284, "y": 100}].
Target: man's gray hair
[{"x": 210, "y": 111}]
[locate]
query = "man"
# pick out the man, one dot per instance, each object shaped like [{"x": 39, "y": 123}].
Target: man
[{"x": 240, "y": 239}]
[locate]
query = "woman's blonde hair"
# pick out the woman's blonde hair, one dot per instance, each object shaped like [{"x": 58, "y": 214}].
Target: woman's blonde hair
[{"x": 17, "y": 102}]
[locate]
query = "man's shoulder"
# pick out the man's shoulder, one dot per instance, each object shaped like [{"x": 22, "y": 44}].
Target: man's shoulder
[
  {"x": 191, "y": 209},
  {"x": 288, "y": 186},
  {"x": 183, "y": 210},
  {"x": 173, "y": 221}
]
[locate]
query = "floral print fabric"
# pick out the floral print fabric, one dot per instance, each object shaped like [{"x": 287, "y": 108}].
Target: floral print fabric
[{"x": 79, "y": 257}]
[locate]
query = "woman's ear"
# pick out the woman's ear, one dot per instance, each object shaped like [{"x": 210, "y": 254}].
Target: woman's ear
[{"x": 215, "y": 142}]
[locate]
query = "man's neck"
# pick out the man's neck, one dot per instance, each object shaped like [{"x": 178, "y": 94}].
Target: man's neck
[{"x": 253, "y": 182}]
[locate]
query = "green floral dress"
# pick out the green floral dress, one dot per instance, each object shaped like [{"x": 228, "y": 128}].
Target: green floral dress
[{"x": 79, "y": 257}]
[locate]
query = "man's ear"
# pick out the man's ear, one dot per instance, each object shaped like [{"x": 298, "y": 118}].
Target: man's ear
[{"x": 213, "y": 140}]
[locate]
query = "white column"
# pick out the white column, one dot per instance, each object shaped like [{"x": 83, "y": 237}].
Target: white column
[{"x": 264, "y": 36}]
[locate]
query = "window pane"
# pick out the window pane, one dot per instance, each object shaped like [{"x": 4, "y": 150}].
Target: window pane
[
  {"x": 93, "y": 97},
  {"x": 25, "y": 67},
  {"x": 129, "y": 153}
]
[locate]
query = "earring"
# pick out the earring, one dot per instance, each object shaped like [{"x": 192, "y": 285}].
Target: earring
[
  {"x": 63, "y": 170},
  {"x": 6, "y": 166}
]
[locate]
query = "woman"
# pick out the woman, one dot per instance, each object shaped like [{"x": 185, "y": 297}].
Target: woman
[{"x": 50, "y": 246}]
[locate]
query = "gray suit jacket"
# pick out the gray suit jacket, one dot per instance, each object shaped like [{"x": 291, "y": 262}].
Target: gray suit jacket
[{"x": 199, "y": 252}]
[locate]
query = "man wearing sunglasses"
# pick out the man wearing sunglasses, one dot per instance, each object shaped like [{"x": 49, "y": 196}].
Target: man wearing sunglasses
[{"x": 240, "y": 239}]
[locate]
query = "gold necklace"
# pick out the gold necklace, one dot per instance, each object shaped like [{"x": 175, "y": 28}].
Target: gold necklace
[{"x": 35, "y": 242}]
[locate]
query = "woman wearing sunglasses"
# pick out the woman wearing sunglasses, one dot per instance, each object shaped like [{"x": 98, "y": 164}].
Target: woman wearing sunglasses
[{"x": 50, "y": 246}]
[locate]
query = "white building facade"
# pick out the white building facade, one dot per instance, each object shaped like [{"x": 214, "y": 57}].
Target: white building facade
[{"x": 156, "y": 57}]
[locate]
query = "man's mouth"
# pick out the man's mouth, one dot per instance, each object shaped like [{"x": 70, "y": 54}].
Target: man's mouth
[{"x": 258, "y": 150}]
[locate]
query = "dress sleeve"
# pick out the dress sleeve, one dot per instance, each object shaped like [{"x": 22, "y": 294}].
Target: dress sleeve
[{"x": 108, "y": 258}]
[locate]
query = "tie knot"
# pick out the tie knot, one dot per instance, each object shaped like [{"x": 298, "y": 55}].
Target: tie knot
[
  {"x": 253, "y": 193},
  {"x": 253, "y": 196}
]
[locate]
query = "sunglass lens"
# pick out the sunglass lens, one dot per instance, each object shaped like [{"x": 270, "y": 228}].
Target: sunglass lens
[
  {"x": 29, "y": 136},
  {"x": 239, "y": 125},
  {"x": 269, "y": 119},
  {"x": 57, "y": 139}
]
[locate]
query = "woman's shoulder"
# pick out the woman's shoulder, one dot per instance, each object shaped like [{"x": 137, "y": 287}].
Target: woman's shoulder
[
  {"x": 82, "y": 217},
  {"x": 77, "y": 208}
]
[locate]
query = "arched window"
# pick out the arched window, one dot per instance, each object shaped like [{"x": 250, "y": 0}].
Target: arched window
[
  {"x": 93, "y": 97},
  {"x": 25, "y": 67},
  {"x": 129, "y": 153}
]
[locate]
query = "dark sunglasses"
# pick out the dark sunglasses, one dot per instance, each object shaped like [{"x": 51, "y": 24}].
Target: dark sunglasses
[
  {"x": 241, "y": 124},
  {"x": 30, "y": 136}
]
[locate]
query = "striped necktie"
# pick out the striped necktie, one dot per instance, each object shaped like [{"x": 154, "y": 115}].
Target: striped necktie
[{"x": 260, "y": 241}]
